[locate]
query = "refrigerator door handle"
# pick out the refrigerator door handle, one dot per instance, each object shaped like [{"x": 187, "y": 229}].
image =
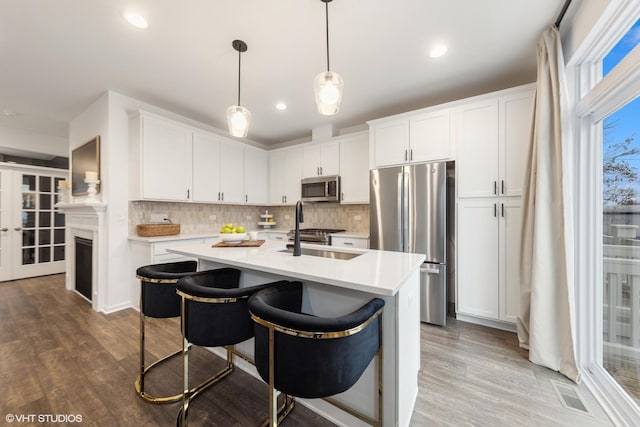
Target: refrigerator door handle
[
  {"x": 429, "y": 270},
  {"x": 407, "y": 218},
  {"x": 400, "y": 210}
]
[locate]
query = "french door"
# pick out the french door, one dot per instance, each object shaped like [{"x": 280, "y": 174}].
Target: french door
[{"x": 32, "y": 230}]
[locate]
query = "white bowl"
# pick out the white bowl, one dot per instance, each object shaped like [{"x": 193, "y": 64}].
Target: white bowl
[{"x": 233, "y": 237}]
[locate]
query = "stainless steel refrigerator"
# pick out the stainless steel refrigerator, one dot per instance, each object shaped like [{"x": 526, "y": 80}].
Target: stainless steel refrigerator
[{"x": 411, "y": 211}]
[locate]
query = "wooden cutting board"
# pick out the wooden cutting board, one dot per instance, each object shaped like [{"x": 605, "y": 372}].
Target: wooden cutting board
[{"x": 243, "y": 244}]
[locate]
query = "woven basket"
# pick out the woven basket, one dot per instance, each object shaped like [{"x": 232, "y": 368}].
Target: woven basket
[{"x": 153, "y": 230}]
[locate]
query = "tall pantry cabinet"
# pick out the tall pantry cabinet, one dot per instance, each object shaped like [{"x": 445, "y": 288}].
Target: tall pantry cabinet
[{"x": 493, "y": 139}]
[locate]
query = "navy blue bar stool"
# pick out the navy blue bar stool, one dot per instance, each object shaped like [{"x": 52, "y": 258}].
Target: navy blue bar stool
[
  {"x": 214, "y": 314},
  {"x": 158, "y": 299},
  {"x": 301, "y": 355}
]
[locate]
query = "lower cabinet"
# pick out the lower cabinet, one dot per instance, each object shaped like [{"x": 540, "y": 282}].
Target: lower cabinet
[
  {"x": 278, "y": 235},
  {"x": 350, "y": 242},
  {"x": 488, "y": 258}
]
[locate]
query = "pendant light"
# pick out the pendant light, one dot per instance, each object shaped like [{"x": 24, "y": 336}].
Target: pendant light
[
  {"x": 328, "y": 85},
  {"x": 238, "y": 117}
]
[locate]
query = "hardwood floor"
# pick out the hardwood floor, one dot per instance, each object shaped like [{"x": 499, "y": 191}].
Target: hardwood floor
[{"x": 57, "y": 356}]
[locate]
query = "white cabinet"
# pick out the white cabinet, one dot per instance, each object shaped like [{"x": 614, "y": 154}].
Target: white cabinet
[
  {"x": 278, "y": 235},
  {"x": 390, "y": 142},
  {"x": 354, "y": 168},
  {"x": 206, "y": 173},
  {"x": 430, "y": 136},
  {"x": 321, "y": 159},
  {"x": 160, "y": 159},
  {"x": 349, "y": 242},
  {"x": 285, "y": 173},
  {"x": 516, "y": 114},
  {"x": 425, "y": 136},
  {"x": 488, "y": 258},
  {"x": 217, "y": 164},
  {"x": 231, "y": 172},
  {"x": 172, "y": 161},
  {"x": 493, "y": 138},
  {"x": 255, "y": 176}
]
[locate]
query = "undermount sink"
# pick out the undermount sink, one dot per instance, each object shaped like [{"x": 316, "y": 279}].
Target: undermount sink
[{"x": 324, "y": 253}]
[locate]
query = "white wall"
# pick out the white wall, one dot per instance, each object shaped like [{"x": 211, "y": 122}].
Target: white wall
[
  {"x": 34, "y": 142},
  {"x": 579, "y": 21}
]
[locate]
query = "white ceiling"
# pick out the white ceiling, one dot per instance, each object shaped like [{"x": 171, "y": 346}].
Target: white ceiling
[{"x": 59, "y": 56}]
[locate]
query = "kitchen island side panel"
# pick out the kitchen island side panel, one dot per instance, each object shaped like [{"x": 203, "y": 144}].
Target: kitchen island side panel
[{"x": 401, "y": 346}]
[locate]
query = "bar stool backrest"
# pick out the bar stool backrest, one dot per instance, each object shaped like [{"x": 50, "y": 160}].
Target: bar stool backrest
[
  {"x": 315, "y": 357},
  {"x": 158, "y": 290}
]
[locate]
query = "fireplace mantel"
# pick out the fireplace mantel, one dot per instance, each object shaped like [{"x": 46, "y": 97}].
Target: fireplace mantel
[{"x": 87, "y": 220}]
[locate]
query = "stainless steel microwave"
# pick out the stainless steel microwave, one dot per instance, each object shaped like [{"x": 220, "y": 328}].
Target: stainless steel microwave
[{"x": 321, "y": 189}]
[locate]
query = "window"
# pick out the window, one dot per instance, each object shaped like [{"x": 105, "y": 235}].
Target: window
[
  {"x": 622, "y": 48},
  {"x": 607, "y": 211}
]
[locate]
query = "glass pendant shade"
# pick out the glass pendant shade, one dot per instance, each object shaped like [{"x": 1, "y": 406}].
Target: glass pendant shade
[
  {"x": 328, "y": 87},
  {"x": 238, "y": 119}
]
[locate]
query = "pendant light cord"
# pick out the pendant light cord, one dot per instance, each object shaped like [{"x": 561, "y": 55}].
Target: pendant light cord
[
  {"x": 239, "y": 67},
  {"x": 326, "y": 5}
]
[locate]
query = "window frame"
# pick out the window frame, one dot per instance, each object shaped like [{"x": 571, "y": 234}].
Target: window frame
[{"x": 595, "y": 98}]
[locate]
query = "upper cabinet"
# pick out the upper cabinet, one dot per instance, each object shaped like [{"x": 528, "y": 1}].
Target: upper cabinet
[
  {"x": 285, "y": 173},
  {"x": 493, "y": 137},
  {"x": 171, "y": 161},
  {"x": 255, "y": 176},
  {"x": 206, "y": 176},
  {"x": 421, "y": 137},
  {"x": 354, "y": 168},
  {"x": 321, "y": 159},
  {"x": 160, "y": 159}
]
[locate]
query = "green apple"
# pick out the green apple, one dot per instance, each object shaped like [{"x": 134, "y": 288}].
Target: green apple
[{"x": 240, "y": 229}]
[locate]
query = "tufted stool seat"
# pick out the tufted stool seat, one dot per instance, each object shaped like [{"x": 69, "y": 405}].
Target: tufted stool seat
[
  {"x": 306, "y": 356},
  {"x": 158, "y": 299}
]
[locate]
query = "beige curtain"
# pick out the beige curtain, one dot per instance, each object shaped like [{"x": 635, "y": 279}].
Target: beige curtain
[{"x": 545, "y": 325}]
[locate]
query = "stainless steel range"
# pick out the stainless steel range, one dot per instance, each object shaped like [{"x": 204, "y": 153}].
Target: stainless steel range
[{"x": 319, "y": 236}]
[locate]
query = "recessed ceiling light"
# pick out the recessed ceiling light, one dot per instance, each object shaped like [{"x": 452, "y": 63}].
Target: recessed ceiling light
[
  {"x": 438, "y": 50},
  {"x": 281, "y": 106},
  {"x": 135, "y": 19},
  {"x": 9, "y": 113}
]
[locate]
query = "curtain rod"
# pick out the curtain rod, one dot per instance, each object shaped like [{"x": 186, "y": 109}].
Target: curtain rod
[{"x": 562, "y": 12}]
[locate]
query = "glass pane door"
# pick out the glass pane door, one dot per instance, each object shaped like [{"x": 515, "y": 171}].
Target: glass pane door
[
  {"x": 621, "y": 247},
  {"x": 42, "y": 233}
]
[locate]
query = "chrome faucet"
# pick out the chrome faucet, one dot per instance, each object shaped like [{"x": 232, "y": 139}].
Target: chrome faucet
[{"x": 296, "y": 240}]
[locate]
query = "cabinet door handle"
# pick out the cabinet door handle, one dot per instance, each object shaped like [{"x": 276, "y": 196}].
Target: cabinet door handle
[
  {"x": 188, "y": 193},
  {"x": 321, "y": 172},
  {"x": 405, "y": 155},
  {"x": 222, "y": 196},
  {"x": 502, "y": 186},
  {"x": 411, "y": 154},
  {"x": 5, "y": 229},
  {"x": 495, "y": 209},
  {"x": 17, "y": 228},
  {"x": 347, "y": 243},
  {"x": 218, "y": 195},
  {"x": 246, "y": 198},
  {"x": 502, "y": 209},
  {"x": 342, "y": 196},
  {"x": 495, "y": 187}
]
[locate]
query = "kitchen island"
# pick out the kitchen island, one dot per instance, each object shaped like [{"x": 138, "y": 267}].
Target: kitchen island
[{"x": 333, "y": 287}]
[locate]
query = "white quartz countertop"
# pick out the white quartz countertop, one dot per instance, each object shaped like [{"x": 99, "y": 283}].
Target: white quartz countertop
[{"x": 376, "y": 272}]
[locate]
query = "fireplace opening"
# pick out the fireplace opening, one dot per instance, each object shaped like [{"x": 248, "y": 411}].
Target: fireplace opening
[{"x": 84, "y": 266}]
